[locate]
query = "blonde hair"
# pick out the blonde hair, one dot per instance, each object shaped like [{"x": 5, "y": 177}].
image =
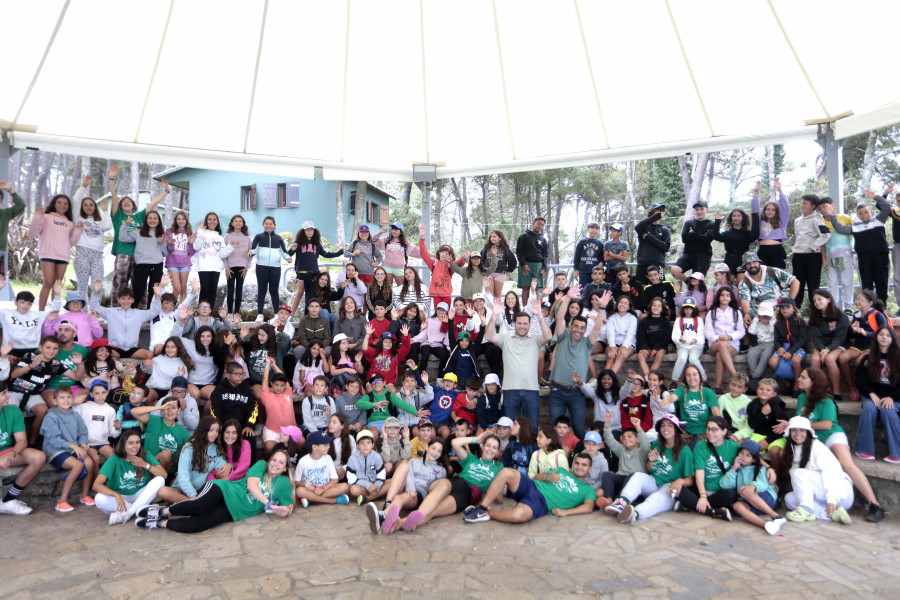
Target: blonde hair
[
  {"x": 740, "y": 378},
  {"x": 769, "y": 382}
]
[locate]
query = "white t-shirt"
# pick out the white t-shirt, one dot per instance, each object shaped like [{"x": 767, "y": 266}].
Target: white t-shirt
[
  {"x": 100, "y": 422},
  {"x": 316, "y": 472}
]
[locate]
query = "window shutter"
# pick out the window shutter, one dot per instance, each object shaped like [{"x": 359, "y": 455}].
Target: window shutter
[
  {"x": 269, "y": 198},
  {"x": 383, "y": 215},
  {"x": 253, "y": 197},
  {"x": 293, "y": 195}
]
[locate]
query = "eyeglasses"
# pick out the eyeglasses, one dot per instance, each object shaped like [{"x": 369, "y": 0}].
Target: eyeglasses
[{"x": 205, "y": 307}]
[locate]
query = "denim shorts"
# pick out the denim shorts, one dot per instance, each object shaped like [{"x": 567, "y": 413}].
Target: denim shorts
[{"x": 186, "y": 269}]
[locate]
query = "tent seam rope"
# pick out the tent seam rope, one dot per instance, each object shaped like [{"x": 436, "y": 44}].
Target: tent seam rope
[
  {"x": 797, "y": 58},
  {"x": 424, "y": 82},
  {"x": 512, "y": 142},
  {"x": 162, "y": 43},
  {"x": 40, "y": 67},
  {"x": 262, "y": 35},
  {"x": 687, "y": 64},
  {"x": 590, "y": 67},
  {"x": 346, "y": 67}
]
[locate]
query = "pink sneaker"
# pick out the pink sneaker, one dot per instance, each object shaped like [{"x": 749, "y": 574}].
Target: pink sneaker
[
  {"x": 391, "y": 517},
  {"x": 854, "y": 395},
  {"x": 865, "y": 456},
  {"x": 892, "y": 460},
  {"x": 414, "y": 519}
]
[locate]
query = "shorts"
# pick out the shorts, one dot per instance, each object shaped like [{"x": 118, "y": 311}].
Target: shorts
[
  {"x": 162, "y": 393},
  {"x": 307, "y": 277},
  {"x": 439, "y": 424},
  {"x": 126, "y": 353},
  {"x": 15, "y": 399},
  {"x": 186, "y": 269},
  {"x": 20, "y": 352},
  {"x": 463, "y": 493},
  {"x": 419, "y": 498},
  {"x": 501, "y": 277},
  {"x": 10, "y": 449},
  {"x": 270, "y": 436},
  {"x": 392, "y": 271},
  {"x": 698, "y": 263},
  {"x": 58, "y": 460},
  {"x": 534, "y": 272},
  {"x": 757, "y": 437},
  {"x": 53, "y": 261},
  {"x": 98, "y": 446},
  {"x": 528, "y": 494},
  {"x": 768, "y": 498},
  {"x": 779, "y": 443},
  {"x": 377, "y": 424},
  {"x": 838, "y": 437}
]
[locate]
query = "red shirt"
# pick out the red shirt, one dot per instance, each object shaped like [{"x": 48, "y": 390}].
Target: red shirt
[
  {"x": 379, "y": 327},
  {"x": 460, "y": 405}
]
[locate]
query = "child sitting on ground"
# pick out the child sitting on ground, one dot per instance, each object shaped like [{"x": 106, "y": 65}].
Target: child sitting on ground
[
  {"x": 395, "y": 445},
  {"x": 567, "y": 440},
  {"x": 489, "y": 407},
  {"x": 279, "y": 403},
  {"x": 631, "y": 451},
  {"x": 734, "y": 408},
  {"x": 100, "y": 420},
  {"x": 748, "y": 476},
  {"x": 548, "y": 457},
  {"x": 365, "y": 470},
  {"x": 316, "y": 478},
  {"x": 465, "y": 404},
  {"x": 593, "y": 445}
]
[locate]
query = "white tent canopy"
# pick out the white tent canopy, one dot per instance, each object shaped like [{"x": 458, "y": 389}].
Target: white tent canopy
[{"x": 365, "y": 88}]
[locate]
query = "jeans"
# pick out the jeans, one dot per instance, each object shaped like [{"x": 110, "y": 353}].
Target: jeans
[
  {"x": 809, "y": 492},
  {"x": 573, "y": 400},
  {"x": 867, "y": 421},
  {"x": 235, "y": 287},
  {"x": 525, "y": 403},
  {"x": 267, "y": 278},
  {"x": 840, "y": 284},
  {"x": 758, "y": 359},
  {"x": 687, "y": 355},
  {"x": 332, "y": 318}
]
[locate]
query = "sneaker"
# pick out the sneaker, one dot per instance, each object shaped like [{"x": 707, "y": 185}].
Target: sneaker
[
  {"x": 720, "y": 513},
  {"x": 15, "y": 507},
  {"x": 892, "y": 460},
  {"x": 864, "y": 456},
  {"x": 304, "y": 502},
  {"x": 800, "y": 515},
  {"x": 628, "y": 515},
  {"x": 479, "y": 515},
  {"x": 151, "y": 511},
  {"x": 469, "y": 510},
  {"x": 875, "y": 514},
  {"x": 146, "y": 523},
  {"x": 775, "y": 525},
  {"x": 854, "y": 395},
  {"x": 87, "y": 501},
  {"x": 615, "y": 508},
  {"x": 375, "y": 517},
  {"x": 412, "y": 521},
  {"x": 840, "y": 515},
  {"x": 119, "y": 517},
  {"x": 677, "y": 507},
  {"x": 259, "y": 319},
  {"x": 64, "y": 507},
  {"x": 391, "y": 518},
  {"x": 343, "y": 499},
  {"x": 603, "y": 502},
  {"x": 360, "y": 500}
]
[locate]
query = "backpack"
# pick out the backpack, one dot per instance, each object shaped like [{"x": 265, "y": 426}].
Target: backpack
[
  {"x": 682, "y": 324},
  {"x": 872, "y": 319},
  {"x": 392, "y": 410}
]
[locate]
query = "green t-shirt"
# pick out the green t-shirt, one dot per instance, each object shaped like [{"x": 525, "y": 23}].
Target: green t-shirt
[
  {"x": 158, "y": 437},
  {"x": 121, "y": 475},
  {"x": 11, "y": 423},
  {"x": 568, "y": 492},
  {"x": 706, "y": 462},
  {"x": 826, "y": 410},
  {"x": 479, "y": 472},
  {"x": 664, "y": 470},
  {"x": 65, "y": 357},
  {"x": 695, "y": 408},
  {"x": 125, "y": 248},
  {"x": 242, "y": 504}
]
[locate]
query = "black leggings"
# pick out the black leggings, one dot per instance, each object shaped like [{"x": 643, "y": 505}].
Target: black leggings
[
  {"x": 772, "y": 255},
  {"x": 209, "y": 283},
  {"x": 203, "y": 512},
  {"x": 690, "y": 496},
  {"x": 440, "y": 352},
  {"x": 807, "y": 268},
  {"x": 235, "y": 285},
  {"x": 612, "y": 484},
  {"x": 267, "y": 278},
  {"x": 494, "y": 356},
  {"x": 145, "y": 277},
  {"x": 874, "y": 271}
]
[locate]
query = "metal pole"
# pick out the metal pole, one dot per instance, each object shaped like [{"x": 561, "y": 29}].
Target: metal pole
[
  {"x": 7, "y": 293},
  {"x": 834, "y": 163},
  {"x": 426, "y": 221}
]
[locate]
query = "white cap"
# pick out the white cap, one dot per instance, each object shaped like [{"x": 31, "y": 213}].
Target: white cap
[
  {"x": 765, "y": 310},
  {"x": 479, "y": 296},
  {"x": 442, "y": 305},
  {"x": 492, "y": 378},
  {"x": 337, "y": 339},
  {"x": 505, "y": 422},
  {"x": 308, "y": 225}
]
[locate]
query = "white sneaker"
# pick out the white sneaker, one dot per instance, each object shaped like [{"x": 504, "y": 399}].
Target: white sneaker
[
  {"x": 259, "y": 319},
  {"x": 774, "y": 526},
  {"x": 15, "y": 507},
  {"x": 118, "y": 517}
]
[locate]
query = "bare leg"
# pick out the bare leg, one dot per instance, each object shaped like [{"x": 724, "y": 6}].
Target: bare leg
[
  {"x": 858, "y": 477},
  {"x": 74, "y": 467},
  {"x": 745, "y": 513}
]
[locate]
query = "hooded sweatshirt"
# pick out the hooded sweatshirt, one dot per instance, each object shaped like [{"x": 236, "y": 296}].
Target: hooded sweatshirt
[
  {"x": 124, "y": 326},
  {"x": 147, "y": 250},
  {"x": 434, "y": 334},
  {"x": 211, "y": 250},
  {"x": 236, "y": 402},
  {"x": 60, "y": 429},
  {"x": 57, "y": 235},
  {"x": 422, "y": 473},
  {"x": 441, "y": 273}
]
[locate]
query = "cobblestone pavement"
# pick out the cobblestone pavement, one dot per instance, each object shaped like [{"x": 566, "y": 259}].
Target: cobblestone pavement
[{"x": 328, "y": 552}]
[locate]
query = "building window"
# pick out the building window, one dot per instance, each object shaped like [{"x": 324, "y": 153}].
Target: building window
[
  {"x": 248, "y": 197},
  {"x": 282, "y": 195}
]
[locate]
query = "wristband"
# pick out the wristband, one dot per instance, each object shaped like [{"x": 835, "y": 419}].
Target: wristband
[
  {"x": 269, "y": 504},
  {"x": 474, "y": 440}
]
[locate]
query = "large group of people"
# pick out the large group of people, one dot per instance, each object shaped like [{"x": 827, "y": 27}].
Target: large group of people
[{"x": 334, "y": 399}]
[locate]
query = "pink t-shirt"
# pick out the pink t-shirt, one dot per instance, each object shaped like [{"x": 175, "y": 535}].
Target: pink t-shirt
[{"x": 279, "y": 409}]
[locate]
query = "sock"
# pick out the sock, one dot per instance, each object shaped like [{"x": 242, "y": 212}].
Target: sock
[{"x": 12, "y": 493}]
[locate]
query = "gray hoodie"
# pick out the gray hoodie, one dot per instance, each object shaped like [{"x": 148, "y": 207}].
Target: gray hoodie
[
  {"x": 346, "y": 404},
  {"x": 60, "y": 429},
  {"x": 124, "y": 326},
  {"x": 147, "y": 250},
  {"x": 366, "y": 470},
  {"x": 630, "y": 461},
  {"x": 422, "y": 474}
]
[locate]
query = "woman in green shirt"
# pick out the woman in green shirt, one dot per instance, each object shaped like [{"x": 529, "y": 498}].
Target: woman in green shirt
[
  {"x": 268, "y": 487},
  {"x": 712, "y": 459},
  {"x": 814, "y": 404},
  {"x": 451, "y": 496},
  {"x": 696, "y": 404}
]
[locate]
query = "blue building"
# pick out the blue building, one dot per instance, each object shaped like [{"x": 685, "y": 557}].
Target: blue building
[{"x": 289, "y": 201}]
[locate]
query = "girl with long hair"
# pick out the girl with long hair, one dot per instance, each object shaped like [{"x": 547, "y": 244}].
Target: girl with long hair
[
  {"x": 687, "y": 335},
  {"x": 549, "y": 454},
  {"x": 496, "y": 247},
  {"x": 828, "y": 327},
  {"x": 174, "y": 361},
  {"x": 200, "y": 457},
  {"x": 342, "y": 443},
  {"x": 236, "y": 263},
  {"x": 815, "y": 405},
  {"x": 412, "y": 290},
  {"x": 379, "y": 289},
  {"x": 397, "y": 250},
  {"x": 773, "y": 223},
  {"x": 350, "y": 322},
  {"x": 790, "y": 338},
  {"x": 441, "y": 288},
  {"x": 180, "y": 238},
  {"x": 56, "y": 234},
  {"x": 521, "y": 445},
  {"x": 203, "y": 379},
  {"x": 696, "y": 403},
  {"x": 88, "y": 261},
  {"x": 864, "y": 323},
  {"x": 724, "y": 329},
  {"x": 740, "y": 232},
  {"x": 344, "y": 362},
  {"x": 473, "y": 274},
  {"x": 308, "y": 247},
  {"x": 211, "y": 252},
  {"x": 621, "y": 334},
  {"x": 237, "y": 453},
  {"x": 694, "y": 288},
  {"x": 757, "y": 496},
  {"x": 878, "y": 379},
  {"x": 712, "y": 459},
  {"x": 320, "y": 288},
  {"x": 412, "y": 481},
  {"x": 227, "y": 348},
  {"x": 654, "y": 333},
  {"x": 150, "y": 251}
]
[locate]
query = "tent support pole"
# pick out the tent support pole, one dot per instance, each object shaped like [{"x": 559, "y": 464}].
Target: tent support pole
[
  {"x": 426, "y": 221},
  {"x": 834, "y": 164}
]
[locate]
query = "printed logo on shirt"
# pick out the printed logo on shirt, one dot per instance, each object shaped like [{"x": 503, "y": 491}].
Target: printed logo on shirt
[
  {"x": 128, "y": 480},
  {"x": 566, "y": 482},
  {"x": 662, "y": 466},
  {"x": 100, "y": 418},
  {"x": 712, "y": 467},
  {"x": 263, "y": 488},
  {"x": 4, "y": 439},
  {"x": 168, "y": 442},
  {"x": 480, "y": 471},
  {"x": 445, "y": 402},
  {"x": 317, "y": 475}
]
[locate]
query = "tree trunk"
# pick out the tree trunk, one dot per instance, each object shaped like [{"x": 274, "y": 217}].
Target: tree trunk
[
  {"x": 711, "y": 173},
  {"x": 405, "y": 193},
  {"x": 15, "y": 170},
  {"x": 42, "y": 186},
  {"x": 484, "y": 182},
  {"x": 360, "y": 210},
  {"x": 693, "y": 180},
  {"x": 516, "y": 201},
  {"x": 554, "y": 250},
  {"x": 770, "y": 156},
  {"x": 462, "y": 207},
  {"x": 135, "y": 173},
  {"x": 339, "y": 205},
  {"x": 868, "y": 167},
  {"x": 685, "y": 177},
  {"x": 27, "y": 190}
]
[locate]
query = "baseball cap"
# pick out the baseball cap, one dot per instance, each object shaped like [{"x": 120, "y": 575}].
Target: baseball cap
[
  {"x": 442, "y": 306},
  {"x": 617, "y": 227},
  {"x": 479, "y": 296},
  {"x": 363, "y": 228},
  {"x": 656, "y": 205},
  {"x": 100, "y": 343},
  {"x": 593, "y": 436},
  {"x": 492, "y": 378},
  {"x": 450, "y": 377},
  {"x": 387, "y": 335},
  {"x": 179, "y": 382},
  {"x": 71, "y": 324},
  {"x": 766, "y": 310},
  {"x": 308, "y": 225},
  {"x": 365, "y": 433},
  {"x": 463, "y": 335},
  {"x": 397, "y": 225},
  {"x": 99, "y": 382},
  {"x": 376, "y": 377},
  {"x": 391, "y": 422},
  {"x": 722, "y": 268},
  {"x": 317, "y": 438},
  {"x": 293, "y": 432},
  {"x": 426, "y": 423},
  {"x": 700, "y": 204},
  {"x": 689, "y": 301},
  {"x": 786, "y": 301},
  {"x": 698, "y": 276},
  {"x": 505, "y": 422},
  {"x": 285, "y": 307}
]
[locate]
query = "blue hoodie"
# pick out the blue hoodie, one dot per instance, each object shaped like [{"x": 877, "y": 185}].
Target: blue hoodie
[{"x": 60, "y": 430}]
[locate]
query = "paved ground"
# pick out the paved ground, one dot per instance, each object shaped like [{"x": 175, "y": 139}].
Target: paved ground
[{"x": 328, "y": 552}]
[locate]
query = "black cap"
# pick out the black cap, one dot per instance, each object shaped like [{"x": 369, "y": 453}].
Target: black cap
[
  {"x": 787, "y": 301},
  {"x": 656, "y": 205},
  {"x": 700, "y": 204}
]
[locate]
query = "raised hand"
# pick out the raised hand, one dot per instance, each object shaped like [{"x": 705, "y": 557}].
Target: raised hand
[
  {"x": 184, "y": 313},
  {"x": 223, "y": 312},
  {"x": 574, "y": 291},
  {"x": 181, "y": 371},
  {"x": 757, "y": 187},
  {"x": 869, "y": 193},
  {"x": 719, "y": 213},
  {"x": 605, "y": 298},
  {"x": 165, "y": 279},
  {"x": 245, "y": 331},
  {"x": 57, "y": 287},
  {"x": 201, "y": 225},
  {"x": 425, "y": 379},
  {"x": 76, "y": 358},
  {"x": 576, "y": 379},
  {"x": 607, "y": 417},
  {"x": 404, "y": 330},
  {"x": 86, "y": 181},
  {"x": 498, "y": 305},
  {"x": 777, "y": 184},
  {"x": 113, "y": 170},
  {"x": 53, "y": 316},
  {"x": 636, "y": 422},
  {"x": 166, "y": 187},
  {"x": 422, "y": 230},
  {"x": 195, "y": 286},
  {"x": 369, "y": 330}
]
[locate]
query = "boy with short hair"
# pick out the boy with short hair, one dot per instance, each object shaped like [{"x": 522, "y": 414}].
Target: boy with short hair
[
  {"x": 318, "y": 407},
  {"x": 382, "y": 321},
  {"x": 312, "y": 328},
  {"x": 626, "y": 285},
  {"x": 660, "y": 287},
  {"x": 568, "y": 440},
  {"x": 465, "y": 404},
  {"x": 763, "y": 327},
  {"x": 21, "y": 325},
  {"x": 66, "y": 447},
  {"x": 588, "y": 253},
  {"x": 315, "y": 476},
  {"x": 14, "y": 452},
  {"x": 631, "y": 449},
  {"x": 365, "y": 470},
  {"x": 597, "y": 283},
  {"x": 441, "y": 407},
  {"x": 593, "y": 447},
  {"x": 424, "y": 437},
  {"x": 734, "y": 407},
  {"x": 123, "y": 323},
  {"x": 462, "y": 360},
  {"x": 615, "y": 251},
  {"x": 100, "y": 420}
]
